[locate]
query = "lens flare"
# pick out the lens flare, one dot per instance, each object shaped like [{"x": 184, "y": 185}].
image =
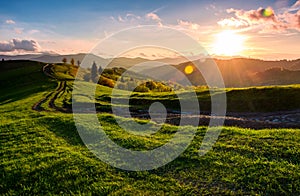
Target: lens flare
[
  {"x": 188, "y": 69},
  {"x": 267, "y": 12}
]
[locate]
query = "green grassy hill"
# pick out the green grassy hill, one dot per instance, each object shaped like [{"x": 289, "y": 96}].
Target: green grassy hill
[
  {"x": 20, "y": 79},
  {"x": 42, "y": 153}
]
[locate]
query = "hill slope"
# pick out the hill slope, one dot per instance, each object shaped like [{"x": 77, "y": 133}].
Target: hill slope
[
  {"x": 238, "y": 72},
  {"x": 42, "y": 153}
]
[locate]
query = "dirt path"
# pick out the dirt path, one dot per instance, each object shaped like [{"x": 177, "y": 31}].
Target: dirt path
[
  {"x": 51, "y": 102},
  {"x": 38, "y": 106},
  {"x": 61, "y": 87},
  {"x": 283, "y": 119},
  {"x": 47, "y": 69}
]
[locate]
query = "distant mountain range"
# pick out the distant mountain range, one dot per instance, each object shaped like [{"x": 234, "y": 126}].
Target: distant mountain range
[
  {"x": 89, "y": 59},
  {"x": 54, "y": 58},
  {"x": 236, "y": 72}
]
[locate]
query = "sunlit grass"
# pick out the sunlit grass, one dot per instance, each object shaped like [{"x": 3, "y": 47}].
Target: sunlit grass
[
  {"x": 42, "y": 153},
  {"x": 41, "y": 148}
]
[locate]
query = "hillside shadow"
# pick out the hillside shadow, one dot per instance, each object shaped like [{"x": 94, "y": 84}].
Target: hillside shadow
[
  {"x": 12, "y": 95},
  {"x": 64, "y": 128}
]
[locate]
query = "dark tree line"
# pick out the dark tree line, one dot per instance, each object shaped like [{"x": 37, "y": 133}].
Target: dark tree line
[{"x": 72, "y": 61}]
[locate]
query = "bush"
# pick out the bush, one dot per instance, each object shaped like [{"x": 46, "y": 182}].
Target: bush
[
  {"x": 141, "y": 88},
  {"x": 106, "y": 82},
  {"x": 151, "y": 85}
]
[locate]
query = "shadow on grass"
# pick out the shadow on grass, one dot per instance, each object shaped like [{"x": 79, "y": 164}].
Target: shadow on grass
[
  {"x": 13, "y": 95},
  {"x": 64, "y": 128}
]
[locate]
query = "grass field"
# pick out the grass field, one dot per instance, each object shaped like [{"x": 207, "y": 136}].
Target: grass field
[{"x": 42, "y": 153}]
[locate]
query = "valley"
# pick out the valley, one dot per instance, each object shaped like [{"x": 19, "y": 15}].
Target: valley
[{"x": 40, "y": 146}]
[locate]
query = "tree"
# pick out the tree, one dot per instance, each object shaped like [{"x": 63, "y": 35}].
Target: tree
[
  {"x": 100, "y": 70},
  {"x": 64, "y": 60},
  {"x": 94, "y": 73},
  {"x": 72, "y": 62},
  {"x": 87, "y": 77}
]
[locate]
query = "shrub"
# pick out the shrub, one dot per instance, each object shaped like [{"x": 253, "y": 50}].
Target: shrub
[
  {"x": 141, "y": 88},
  {"x": 106, "y": 82}
]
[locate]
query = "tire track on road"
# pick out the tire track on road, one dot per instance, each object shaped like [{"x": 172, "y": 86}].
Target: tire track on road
[{"x": 47, "y": 70}]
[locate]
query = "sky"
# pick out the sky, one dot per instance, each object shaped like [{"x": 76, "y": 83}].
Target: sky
[{"x": 257, "y": 29}]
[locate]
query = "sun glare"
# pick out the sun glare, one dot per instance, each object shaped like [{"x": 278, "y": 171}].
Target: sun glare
[
  {"x": 188, "y": 69},
  {"x": 228, "y": 43}
]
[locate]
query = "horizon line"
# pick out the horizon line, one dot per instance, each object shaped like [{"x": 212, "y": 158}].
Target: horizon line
[{"x": 217, "y": 57}]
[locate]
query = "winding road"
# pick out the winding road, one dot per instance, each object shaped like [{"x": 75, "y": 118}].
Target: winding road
[
  {"x": 284, "y": 119},
  {"x": 51, "y": 97}
]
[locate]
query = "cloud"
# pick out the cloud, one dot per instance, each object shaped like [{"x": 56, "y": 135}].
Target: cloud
[
  {"x": 258, "y": 16},
  {"x": 33, "y": 31},
  {"x": 18, "y": 30},
  {"x": 291, "y": 19},
  {"x": 153, "y": 16},
  {"x": 27, "y": 45},
  {"x": 266, "y": 19},
  {"x": 10, "y": 22},
  {"x": 148, "y": 18},
  {"x": 297, "y": 4},
  {"x": 132, "y": 16},
  {"x": 6, "y": 47},
  {"x": 190, "y": 25},
  {"x": 120, "y": 19},
  {"x": 19, "y": 45},
  {"x": 127, "y": 18},
  {"x": 232, "y": 22}
]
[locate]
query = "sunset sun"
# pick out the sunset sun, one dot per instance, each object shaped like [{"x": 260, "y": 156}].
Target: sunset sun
[{"x": 228, "y": 43}]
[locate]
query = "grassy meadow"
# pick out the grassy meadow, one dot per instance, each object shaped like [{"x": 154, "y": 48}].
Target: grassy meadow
[{"x": 42, "y": 153}]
